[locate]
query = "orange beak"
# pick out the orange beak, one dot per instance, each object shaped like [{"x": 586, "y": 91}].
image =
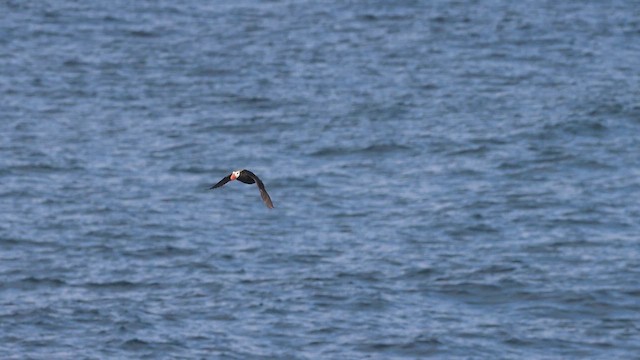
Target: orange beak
[{"x": 233, "y": 176}]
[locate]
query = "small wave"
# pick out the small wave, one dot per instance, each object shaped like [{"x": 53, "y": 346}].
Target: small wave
[
  {"x": 143, "y": 33},
  {"x": 371, "y": 149},
  {"x": 476, "y": 150},
  {"x": 193, "y": 169},
  {"x": 40, "y": 168},
  {"x": 382, "y": 17},
  {"x": 36, "y": 281},
  {"x": 165, "y": 251},
  {"x": 135, "y": 344},
  {"x": 177, "y": 147},
  {"x": 418, "y": 273},
  {"x": 115, "y": 285},
  {"x": 26, "y": 242},
  {"x": 419, "y": 346},
  {"x": 74, "y": 62},
  {"x": 569, "y": 129},
  {"x": 474, "y": 229},
  {"x": 106, "y": 234},
  {"x": 495, "y": 269}
]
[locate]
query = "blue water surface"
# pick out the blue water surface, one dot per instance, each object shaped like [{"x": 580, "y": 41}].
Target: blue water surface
[{"x": 454, "y": 180}]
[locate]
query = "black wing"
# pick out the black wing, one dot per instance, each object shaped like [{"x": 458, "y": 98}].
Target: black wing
[
  {"x": 224, "y": 180},
  {"x": 263, "y": 192}
]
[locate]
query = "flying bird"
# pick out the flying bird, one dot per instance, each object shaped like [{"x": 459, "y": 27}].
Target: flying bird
[{"x": 246, "y": 177}]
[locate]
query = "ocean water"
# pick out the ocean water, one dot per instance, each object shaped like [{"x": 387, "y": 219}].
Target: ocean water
[{"x": 454, "y": 180}]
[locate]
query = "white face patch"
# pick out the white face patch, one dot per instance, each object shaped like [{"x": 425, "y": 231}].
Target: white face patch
[{"x": 236, "y": 174}]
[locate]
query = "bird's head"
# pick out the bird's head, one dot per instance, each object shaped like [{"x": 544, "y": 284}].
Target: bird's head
[{"x": 235, "y": 174}]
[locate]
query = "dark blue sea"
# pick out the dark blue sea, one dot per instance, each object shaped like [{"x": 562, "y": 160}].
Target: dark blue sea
[{"x": 451, "y": 179}]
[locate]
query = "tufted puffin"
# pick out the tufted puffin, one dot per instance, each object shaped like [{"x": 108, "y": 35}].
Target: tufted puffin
[{"x": 246, "y": 177}]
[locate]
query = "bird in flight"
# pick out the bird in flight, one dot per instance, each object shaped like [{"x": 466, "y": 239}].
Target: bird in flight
[{"x": 246, "y": 177}]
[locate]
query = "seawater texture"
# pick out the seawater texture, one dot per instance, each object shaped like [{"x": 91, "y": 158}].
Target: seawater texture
[{"x": 455, "y": 180}]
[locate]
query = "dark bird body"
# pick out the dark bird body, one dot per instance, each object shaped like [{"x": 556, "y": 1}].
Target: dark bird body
[{"x": 247, "y": 177}]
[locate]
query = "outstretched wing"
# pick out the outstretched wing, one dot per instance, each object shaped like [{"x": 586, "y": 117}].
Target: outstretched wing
[
  {"x": 224, "y": 180},
  {"x": 263, "y": 192}
]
